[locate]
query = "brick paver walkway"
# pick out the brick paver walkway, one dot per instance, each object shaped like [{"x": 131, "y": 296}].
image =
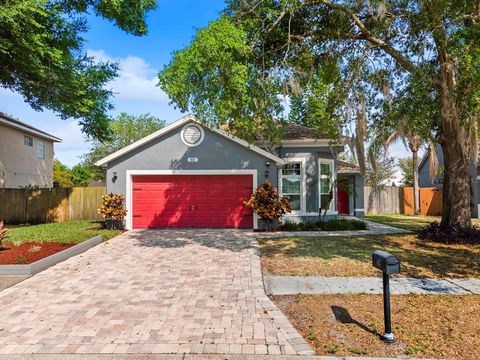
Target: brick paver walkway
[{"x": 192, "y": 291}]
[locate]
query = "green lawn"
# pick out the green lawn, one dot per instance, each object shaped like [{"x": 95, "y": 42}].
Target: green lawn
[
  {"x": 351, "y": 256},
  {"x": 408, "y": 222},
  {"x": 64, "y": 232}
]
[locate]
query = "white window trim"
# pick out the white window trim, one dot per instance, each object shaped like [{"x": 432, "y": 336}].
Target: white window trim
[
  {"x": 303, "y": 184},
  {"x": 131, "y": 173},
  {"x": 331, "y": 162}
]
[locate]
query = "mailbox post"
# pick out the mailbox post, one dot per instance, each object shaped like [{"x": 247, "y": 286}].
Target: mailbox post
[{"x": 388, "y": 264}]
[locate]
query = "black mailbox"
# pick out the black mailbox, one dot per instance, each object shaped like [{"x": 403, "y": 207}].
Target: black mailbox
[{"x": 386, "y": 262}]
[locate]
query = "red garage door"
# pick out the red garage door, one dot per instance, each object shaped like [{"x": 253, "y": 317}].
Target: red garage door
[{"x": 183, "y": 201}]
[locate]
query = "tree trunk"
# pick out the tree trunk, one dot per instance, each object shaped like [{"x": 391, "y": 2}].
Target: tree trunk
[
  {"x": 416, "y": 193},
  {"x": 454, "y": 140}
]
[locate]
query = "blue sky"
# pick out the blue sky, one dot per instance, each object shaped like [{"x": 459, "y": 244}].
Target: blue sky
[{"x": 171, "y": 26}]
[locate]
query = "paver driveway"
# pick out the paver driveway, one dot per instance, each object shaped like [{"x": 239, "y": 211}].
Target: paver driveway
[{"x": 191, "y": 291}]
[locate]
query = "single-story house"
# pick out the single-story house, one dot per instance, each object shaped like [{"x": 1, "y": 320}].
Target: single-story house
[
  {"x": 427, "y": 181},
  {"x": 189, "y": 175},
  {"x": 26, "y": 154}
]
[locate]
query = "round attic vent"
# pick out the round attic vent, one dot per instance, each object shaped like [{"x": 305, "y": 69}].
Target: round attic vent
[{"x": 192, "y": 135}]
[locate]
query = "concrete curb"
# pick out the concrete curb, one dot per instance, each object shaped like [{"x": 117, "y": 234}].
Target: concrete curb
[{"x": 45, "y": 263}]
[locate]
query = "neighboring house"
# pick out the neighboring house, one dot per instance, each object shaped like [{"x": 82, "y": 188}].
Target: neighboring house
[
  {"x": 396, "y": 179},
  {"x": 26, "y": 154},
  {"x": 427, "y": 181},
  {"x": 188, "y": 175}
]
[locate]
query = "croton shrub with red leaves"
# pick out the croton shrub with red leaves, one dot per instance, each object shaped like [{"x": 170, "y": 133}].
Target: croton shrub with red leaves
[
  {"x": 267, "y": 204},
  {"x": 112, "y": 207}
]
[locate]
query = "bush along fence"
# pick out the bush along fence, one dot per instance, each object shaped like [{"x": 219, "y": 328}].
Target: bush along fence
[
  {"x": 399, "y": 200},
  {"x": 38, "y": 206}
]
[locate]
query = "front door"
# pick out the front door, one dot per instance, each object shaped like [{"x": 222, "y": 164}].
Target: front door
[{"x": 342, "y": 197}]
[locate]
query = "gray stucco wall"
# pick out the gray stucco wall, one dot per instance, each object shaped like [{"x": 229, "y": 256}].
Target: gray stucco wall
[
  {"x": 359, "y": 200},
  {"x": 170, "y": 153}
]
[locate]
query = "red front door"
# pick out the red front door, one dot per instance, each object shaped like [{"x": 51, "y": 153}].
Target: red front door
[
  {"x": 342, "y": 201},
  {"x": 183, "y": 201}
]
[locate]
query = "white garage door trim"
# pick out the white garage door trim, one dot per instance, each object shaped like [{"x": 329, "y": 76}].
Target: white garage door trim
[{"x": 131, "y": 173}]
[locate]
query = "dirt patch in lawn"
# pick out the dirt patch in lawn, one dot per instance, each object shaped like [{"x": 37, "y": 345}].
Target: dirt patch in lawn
[
  {"x": 424, "y": 325},
  {"x": 30, "y": 252},
  {"x": 351, "y": 256}
]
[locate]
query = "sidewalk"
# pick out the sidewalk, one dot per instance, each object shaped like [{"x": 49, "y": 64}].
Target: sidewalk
[{"x": 292, "y": 285}]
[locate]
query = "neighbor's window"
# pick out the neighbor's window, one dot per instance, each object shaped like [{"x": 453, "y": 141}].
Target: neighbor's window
[
  {"x": 27, "y": 140},
  {"x": 326, "y": 178},
  {"x": 292, "y": 184},
  {"x": 40, "y": 149}
]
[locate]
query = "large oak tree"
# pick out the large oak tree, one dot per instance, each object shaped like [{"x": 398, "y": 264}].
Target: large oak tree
[{"x": 387, "y": 46}]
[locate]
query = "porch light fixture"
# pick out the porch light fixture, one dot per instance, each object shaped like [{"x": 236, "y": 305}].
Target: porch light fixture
[
  {"x": 115, "y": 177},
  {"x": 267, "y": 165}
]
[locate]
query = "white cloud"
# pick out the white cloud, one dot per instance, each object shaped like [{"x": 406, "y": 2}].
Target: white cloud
[{"x": 136, "y": 81}]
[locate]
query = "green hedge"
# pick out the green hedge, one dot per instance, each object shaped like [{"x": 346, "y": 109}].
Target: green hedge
[{"x": 330, "y": 225}]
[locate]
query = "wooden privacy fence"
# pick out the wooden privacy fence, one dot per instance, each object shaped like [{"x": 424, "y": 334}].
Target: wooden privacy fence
[
  {"x": 384, "y": 200},
  {"x": 431, "y": 201},
  {"x": 399, "y": 200},
  {"x": 20, "y": 206}
]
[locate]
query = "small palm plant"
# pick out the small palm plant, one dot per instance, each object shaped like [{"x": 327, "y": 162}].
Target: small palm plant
[{"x": 3, "y": 234}]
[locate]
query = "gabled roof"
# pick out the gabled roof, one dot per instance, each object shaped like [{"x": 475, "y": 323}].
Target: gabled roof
[
  {"x": 22, "y": 126},
  {"x": 176, "y": 124}
]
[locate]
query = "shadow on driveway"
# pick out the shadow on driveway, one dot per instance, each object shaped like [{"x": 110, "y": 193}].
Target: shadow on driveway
[{"x": 230, "y": 240}]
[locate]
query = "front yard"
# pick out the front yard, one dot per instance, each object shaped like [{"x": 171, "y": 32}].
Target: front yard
[
  {"x": 407, "y": 222},
  {"x": 27, "y": 244},
  {"x": 439, "y": 326},
  {"x": 351, "y": 256},
  {"x": 424, "y": 325}
]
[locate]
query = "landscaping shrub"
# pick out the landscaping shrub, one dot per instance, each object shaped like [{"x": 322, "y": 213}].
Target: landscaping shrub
[
  {"x": 112, "y": 211},
  {"x": 267, "y": 204},
  {"x": 330, "y": 225},
  {"x": 289, "y": 225},
  {"x": 342, "y": 225},
  {"x": 309, "y": 226},
  {"x": 450, "y": 234}
]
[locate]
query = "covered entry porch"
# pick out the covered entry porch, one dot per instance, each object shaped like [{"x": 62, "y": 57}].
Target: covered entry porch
[{"x": 350, "y": 200}]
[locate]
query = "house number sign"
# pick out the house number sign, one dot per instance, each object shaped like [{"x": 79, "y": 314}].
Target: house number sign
[{"x": 192, "y": 159}]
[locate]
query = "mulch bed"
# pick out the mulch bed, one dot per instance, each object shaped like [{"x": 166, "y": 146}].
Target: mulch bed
[
  {"x": 426, "y": 326},
  {"x": 30, "y": 252}
]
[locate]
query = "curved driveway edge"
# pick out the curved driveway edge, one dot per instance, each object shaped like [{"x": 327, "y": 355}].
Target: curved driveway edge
[{"x": 173, "y": 292}]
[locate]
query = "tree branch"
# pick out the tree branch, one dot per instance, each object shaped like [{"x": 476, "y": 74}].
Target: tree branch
[{"x": 394, "y": 53}]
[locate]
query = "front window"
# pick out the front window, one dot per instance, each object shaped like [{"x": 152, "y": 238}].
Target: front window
[
  {"x": 292, "y": 185},
  {"x": 40, "y": 149},
  {"x": 326, "y": 182}
]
